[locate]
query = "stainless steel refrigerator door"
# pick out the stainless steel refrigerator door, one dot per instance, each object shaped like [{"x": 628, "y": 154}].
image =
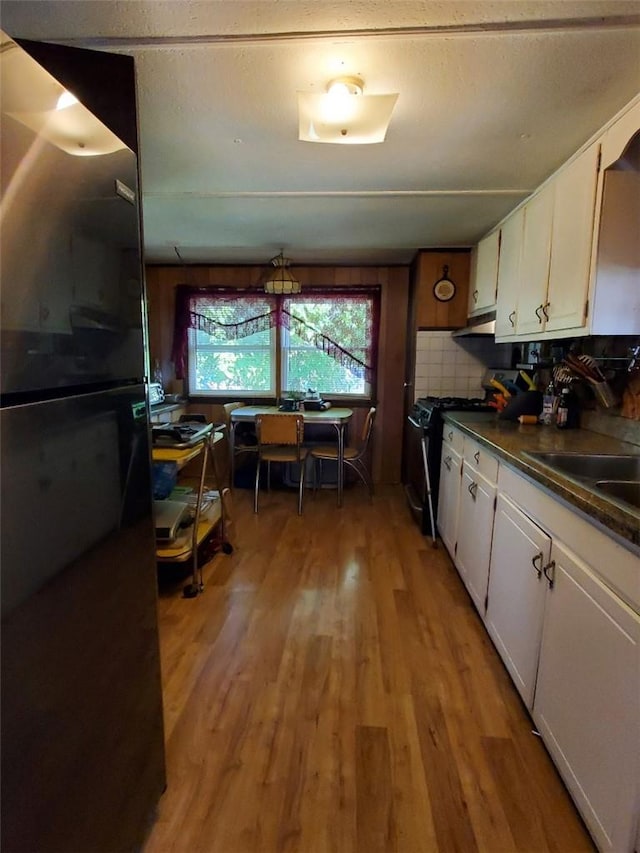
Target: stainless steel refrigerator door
[
  {"x": 82, "y": 731},
  {"x": 71, "y": 290}
]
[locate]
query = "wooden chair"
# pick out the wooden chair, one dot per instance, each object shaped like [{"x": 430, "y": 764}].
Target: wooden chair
[
  {"x": 354, "y": 456},
  {"x": 280, "y": 440}
]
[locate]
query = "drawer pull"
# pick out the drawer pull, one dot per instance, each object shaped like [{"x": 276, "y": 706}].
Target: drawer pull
[
  {"x": 550, "y": 572},
  {"x": 473, "y": 488},
  {"x": 538, "y": 568},
  {"x": 476, "y": 456}
]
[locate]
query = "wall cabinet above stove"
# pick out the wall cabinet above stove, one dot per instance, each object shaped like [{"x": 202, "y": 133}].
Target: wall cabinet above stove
[{"x": 484, "y": 275}]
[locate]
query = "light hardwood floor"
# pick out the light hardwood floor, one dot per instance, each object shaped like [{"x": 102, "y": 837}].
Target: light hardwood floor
[{"x": 333, "y": 689}]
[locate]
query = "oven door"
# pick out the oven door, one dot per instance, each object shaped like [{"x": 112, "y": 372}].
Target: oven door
[{"x": 419, "y": 453}]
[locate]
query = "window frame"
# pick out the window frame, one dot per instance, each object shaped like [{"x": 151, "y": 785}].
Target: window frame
[
  {"x": 222, "y": 347},
  {"x": 279, "y": 333}
]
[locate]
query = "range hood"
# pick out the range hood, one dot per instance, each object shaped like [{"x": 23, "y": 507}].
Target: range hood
[{"x": 482, "y": 325}]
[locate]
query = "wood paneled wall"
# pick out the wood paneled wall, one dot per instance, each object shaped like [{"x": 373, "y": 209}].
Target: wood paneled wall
[{"x": 394, "y": 284}]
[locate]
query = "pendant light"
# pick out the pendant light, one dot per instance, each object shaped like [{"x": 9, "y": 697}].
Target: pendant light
[{"x": 281, "y": 279}]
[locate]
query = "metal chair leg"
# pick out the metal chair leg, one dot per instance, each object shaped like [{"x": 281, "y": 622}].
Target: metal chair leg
[
  {"x": 361, "y": 470},
  {"x": 301, "y": 485},
  {"x": 257, "y": 486}
]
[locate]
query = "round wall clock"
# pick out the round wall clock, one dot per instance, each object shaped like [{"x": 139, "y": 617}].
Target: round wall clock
[{"x": 444, "y": 289}]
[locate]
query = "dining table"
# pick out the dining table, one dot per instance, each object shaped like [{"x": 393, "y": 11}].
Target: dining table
[{"x": 336, "y": 417}]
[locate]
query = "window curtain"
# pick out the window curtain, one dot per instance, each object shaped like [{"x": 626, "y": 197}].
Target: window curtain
[{"x": 353, "y": 346}]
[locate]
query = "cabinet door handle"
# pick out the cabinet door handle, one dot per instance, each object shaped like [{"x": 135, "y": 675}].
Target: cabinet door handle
[
  {"x": 447, "y": 463},
  {"x": 473, "y": 488},
  {"x": 511, "y": 316},
  {"x": 475, "y": 296},
  {"x": 544, "y": 310},
  {"x": 476, "y": 456},
  {"x": 538, "y": 310},
  {"x": 450, "y": 435},
  {"x": 550, "y": 572},
  {"x": 537, "y": 567}
]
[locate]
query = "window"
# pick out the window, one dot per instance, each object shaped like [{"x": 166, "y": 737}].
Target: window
[
  {"x": 267, "y": 346},
  {"x": 324, "y": 364},
  {"x": 225, "y": 359}
]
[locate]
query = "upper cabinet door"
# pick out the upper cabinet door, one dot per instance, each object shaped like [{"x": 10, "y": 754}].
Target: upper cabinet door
[
  {"x": 536, "y": 250},
  {"x": 509, "y": 274},
  {"x": 482, "y": 296},
  {"x": 571, "y": 242}
]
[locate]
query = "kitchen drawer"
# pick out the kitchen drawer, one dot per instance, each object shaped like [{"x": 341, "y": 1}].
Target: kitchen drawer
[
  {"x": 453, "y": 439},
  {"x": 476, "y": 458}
]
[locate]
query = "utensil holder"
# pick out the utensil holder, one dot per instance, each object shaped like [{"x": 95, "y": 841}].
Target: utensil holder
[{"x": 604, "y": 395}]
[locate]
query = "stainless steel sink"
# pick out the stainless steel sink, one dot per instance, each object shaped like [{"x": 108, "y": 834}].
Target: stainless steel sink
[
  {"x": 622, "y": 490},
  {"x": 615, "y": 477},
  {"x": 590, "y": 466}
]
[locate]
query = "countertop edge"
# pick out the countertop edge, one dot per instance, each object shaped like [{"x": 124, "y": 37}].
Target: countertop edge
[{"x": 615, "y": 520}]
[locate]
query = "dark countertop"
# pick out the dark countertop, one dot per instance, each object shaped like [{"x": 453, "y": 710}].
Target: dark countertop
[{"x": 509, "y": 440}]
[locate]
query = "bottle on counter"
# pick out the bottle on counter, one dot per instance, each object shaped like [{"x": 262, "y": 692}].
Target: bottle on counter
[
  {"x": 562, "y": 415},
  {"x": 549, "y": 401},
  {"x": 568, "y": 413}
]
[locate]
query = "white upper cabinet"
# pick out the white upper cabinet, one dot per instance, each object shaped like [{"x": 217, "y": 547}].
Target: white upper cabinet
[
  {"x": 509, "y": 272},
  {"x": 484, "y": 281},
  {"x": 579, "y": 256},
  {"x": 556, "y": 257},
  {"x": 571, "y": 241},
  {"x": 536, "y": 251}
]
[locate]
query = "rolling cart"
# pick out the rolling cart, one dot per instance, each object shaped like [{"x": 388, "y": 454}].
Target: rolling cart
[{"x": 181, "y": 444}]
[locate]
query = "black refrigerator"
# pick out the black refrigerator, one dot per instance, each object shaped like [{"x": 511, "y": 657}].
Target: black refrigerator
[{"x": 82, "y": 744}]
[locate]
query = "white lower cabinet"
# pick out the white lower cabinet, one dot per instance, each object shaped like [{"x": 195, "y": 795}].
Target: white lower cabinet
[
  {"x": 587, "y": 706},
  {"x": 475, "y": 519},
  {"x": 562, "y": 608},
  {"x": 448, "y": 497},
  {"x": 473, "y": 546},
  {"x": 517, "y": 590}
]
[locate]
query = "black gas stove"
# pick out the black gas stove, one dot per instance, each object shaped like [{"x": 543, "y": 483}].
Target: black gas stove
[
  {"x": 427, "y": 410},
  {"x": 424, "y": 449}
]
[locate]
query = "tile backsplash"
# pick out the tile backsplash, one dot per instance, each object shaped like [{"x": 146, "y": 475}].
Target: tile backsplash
[{"x": 454, "y": 367}]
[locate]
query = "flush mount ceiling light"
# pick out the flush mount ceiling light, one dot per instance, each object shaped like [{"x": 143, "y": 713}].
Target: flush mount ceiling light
[
  {"x": 281, "y": 280},
  {"x": 344, "y": 115}
]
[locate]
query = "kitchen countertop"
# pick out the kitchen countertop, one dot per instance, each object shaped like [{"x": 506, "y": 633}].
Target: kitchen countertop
[{"x": 509, "y": 440}]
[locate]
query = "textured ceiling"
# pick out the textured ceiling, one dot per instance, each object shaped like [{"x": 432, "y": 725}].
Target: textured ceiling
[{"x": 493, "y": 97}]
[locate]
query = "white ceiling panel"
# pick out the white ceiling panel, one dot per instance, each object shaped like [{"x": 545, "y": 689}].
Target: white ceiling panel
[{"x": 493, "y": 97}]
